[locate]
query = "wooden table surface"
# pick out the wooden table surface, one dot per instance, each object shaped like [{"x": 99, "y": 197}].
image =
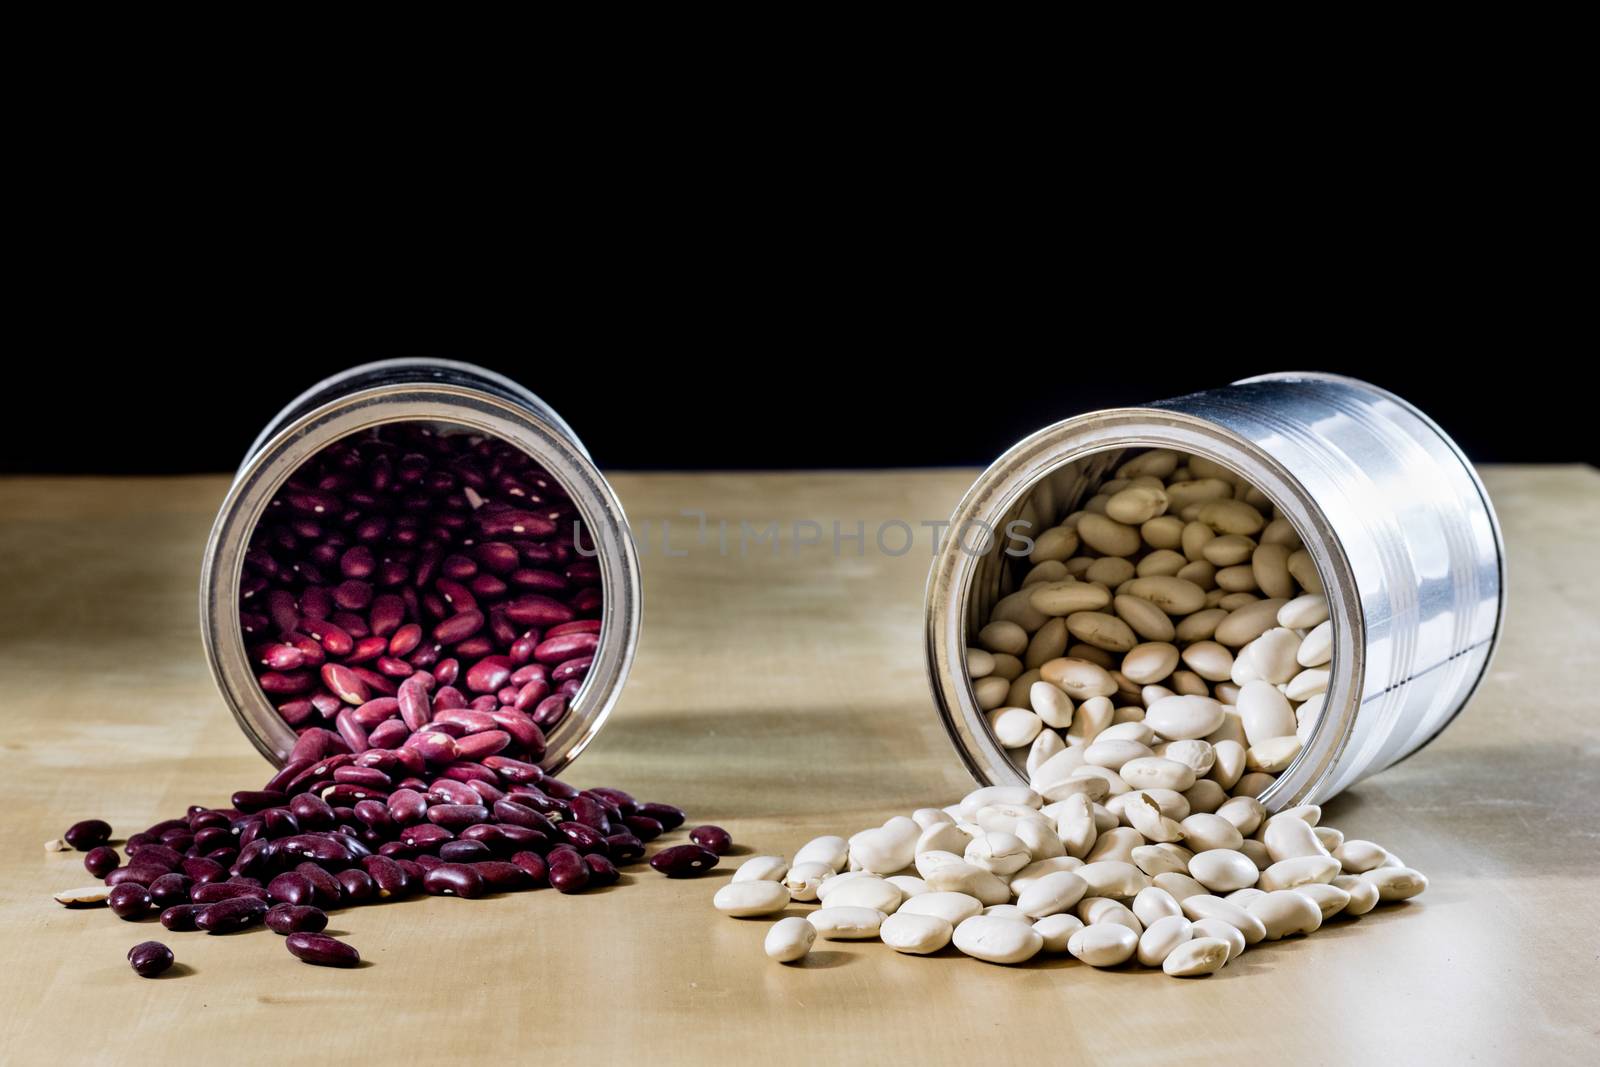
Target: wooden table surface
[{"x": 781, "y": 697}]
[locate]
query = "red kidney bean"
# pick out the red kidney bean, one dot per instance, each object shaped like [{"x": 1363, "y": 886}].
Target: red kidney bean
[
  {"x": 294, "y": 919},
  {"x": 568, "y": 872},
  {"x": 683, "y": 861},
  {"x": 715, "y": 838},
  {"x": 387, "y": 615},
  {"x": 388, "y": 876},
  {"x": 668, "y": 816},
  {"x": 325, "y": 886},
  {"x": 252, "y": 800},
  {"x": 459, "y": 627},
  {"x": 323, "y": 848},
  {"x": 375, "y": 711},
  {"x": 389, "y": 734},
  {"x": 291, "y": 888},
  {"x": 510, "y": 810},
  {"x": 255, "y": 858},
  {"x": 558, "y": 789},
  {"x": 502, "y": 877},
  {"x": 344, "y": 794},
  {"x": 464, "y": 851},
  {"x": 477, "y": 746},
  {"x": 583, "y": 838},
  {"x": 567, "y": 646},
  {"x": 407, "y": 806},
  {"x": 141, "y": 876},
  {"x": 624, "y": 848},
  {"x": 149, "y": 958},
  {"x": 643, "y": 827},
  {"x": 468, "y": 772},
  {"x": 312, "y": 811},
  {"x": 520, "y": 838},
  {"x": 426, "y": 837},
  {"x": 129, "y": 900},
  {"x": 451, "y": 791},
  {"x": 215, "y": 892},
  {"x": 514, "y": 771},
  {"x": 170, "y": 889},
  {"x": 202, "y": 871},
  {"x": 405, "y": 640},
  {"x": 588, "y": 811},
  {"x": 227, "y": 916},
  {"x": 453, "y": 879},
  {"x": 368, "y": 649},
  {"x": 572, "y": 670},
  {"x": 487, "y": 792},
  {"x": 278, "y": 822},
  {"x": 550, "y": 711},
  {"x": 297, "y": 712},
  {"x": 489, "y": 674},
  {"x": 100, "y": 861},
  {"x": 321, "y": 950},
  {"x": 457, "y": 816},
  {"x": 335, "y": 640},
  {"x": 436, "y": 748},
  {"x": 602, "y": 872},
  {"x": 357, "y": 885},
  {"x": 345, "y": 684},
  {"x": 534, "y": 609},
  {"x": 533, "y": 865},
  {"x": 181, "y": 917}
]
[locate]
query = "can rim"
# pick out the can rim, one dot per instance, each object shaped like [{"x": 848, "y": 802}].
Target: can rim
[
  {"x": 279, "y": 457},
  {"x": 1022, "y": 467}
]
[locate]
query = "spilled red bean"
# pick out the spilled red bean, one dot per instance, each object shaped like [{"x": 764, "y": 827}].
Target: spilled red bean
[
  {"x": 88, "y": 834},
  {"x": 129, "y": 900},
  {"x": 683, "y": 861},
  {"x": 322, "y": 950},
  {"x": 149, "y": 958},
  {"x": 715, "y": 838}
]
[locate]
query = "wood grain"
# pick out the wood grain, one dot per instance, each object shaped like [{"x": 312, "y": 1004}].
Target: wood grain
[{"x": 781, "y": 696}]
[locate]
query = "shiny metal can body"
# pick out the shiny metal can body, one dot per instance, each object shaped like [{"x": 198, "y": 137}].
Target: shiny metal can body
[
  {"x": 1402, "y": 533},
  {"x": 452, "y": 397}
]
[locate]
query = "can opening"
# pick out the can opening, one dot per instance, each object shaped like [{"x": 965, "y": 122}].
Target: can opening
[
  {"x": 1014, "y": 555},
  {"x": 421, "y": 546}
]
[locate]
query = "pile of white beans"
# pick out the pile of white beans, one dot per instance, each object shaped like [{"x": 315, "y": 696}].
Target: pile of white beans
[
  {"x": 1004, "y": 875},
  {"x": 1172, "y": 634},
  {"x": 1163, "y": 660}
]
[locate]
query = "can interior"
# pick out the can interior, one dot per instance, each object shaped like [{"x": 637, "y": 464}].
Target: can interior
[
  {"x": 533, "y": 487},
  {"x": 1046, "y": 503}
]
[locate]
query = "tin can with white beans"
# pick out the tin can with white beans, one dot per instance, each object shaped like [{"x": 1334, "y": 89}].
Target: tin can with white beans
[{"x": 1404, "y": 541}]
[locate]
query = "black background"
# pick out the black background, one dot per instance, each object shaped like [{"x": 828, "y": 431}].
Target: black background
[
  {"x": 757, "y": 406},
  {"x": 897, "y": 280}
]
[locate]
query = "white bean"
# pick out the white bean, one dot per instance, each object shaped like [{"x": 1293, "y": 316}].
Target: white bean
[
  {"x": 997, "y": 940},
  {"x": 762, "y": 869},
  {"x": 1103, "y": 945},
  {"x": 915, "y": 934},
  {"x": 744, "y": 899},
  {"x": 790, "y": 939},
  {"x": 1197, "y": 957},
  {"x": 845, "y": 924}
]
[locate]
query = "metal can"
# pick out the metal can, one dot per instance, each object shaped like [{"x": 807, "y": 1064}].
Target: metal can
[
  {"x": 449, "y": 397},
  {"x": 1402, "y": 533}
]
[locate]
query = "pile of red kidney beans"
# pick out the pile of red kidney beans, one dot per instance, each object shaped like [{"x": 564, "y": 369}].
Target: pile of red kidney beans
[
  {"x": 415, "y": 592},
  {"x": 406, "y": 563}
]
